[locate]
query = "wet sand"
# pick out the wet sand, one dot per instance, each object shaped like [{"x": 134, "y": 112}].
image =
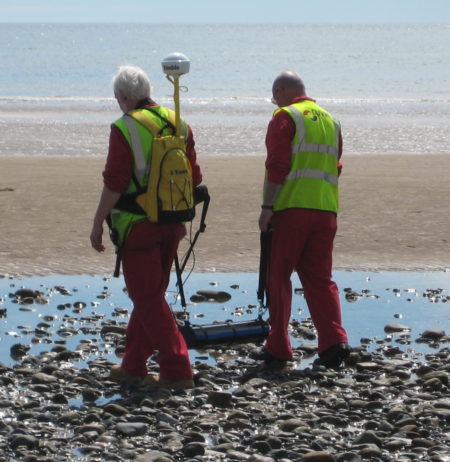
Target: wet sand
[{"x": 394, "y": 215}]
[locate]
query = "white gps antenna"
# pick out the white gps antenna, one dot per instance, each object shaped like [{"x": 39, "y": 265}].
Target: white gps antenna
[{"x": 175, "y": 65}]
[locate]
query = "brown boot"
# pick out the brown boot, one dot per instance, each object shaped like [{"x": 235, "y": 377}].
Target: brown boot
[{"x": 118, "y": 375}]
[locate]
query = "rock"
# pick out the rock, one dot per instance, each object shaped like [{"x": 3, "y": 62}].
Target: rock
[
  {"x": 440, "y": 375},
  {"x": 43, "y": 378},
  {"x": 29, "y": 441},
  {"x": 214, "y": 295},
  {"x": 220, "y": 399},
  {"x": 115, "y": 409},
  {"x": 368, "y": 366},
  {"x": 421, "y": 443},
  {"x": 91, "y": 428},
  {"x": 392, "y": 328},
  {"x": 194, "y": 449},
  {"x": 318, "y": 456},
  {"x": 368, "y": 437},
  {"x": 196, "y": 298},
  {"x": 113, "y": 329},
  {"x": 18, "y": 351},
  {"x": 261, "y": 446},
  {"x": 433, "y": 334},
  {"x": 192, "y": 437},
  {"x": 349, "y": 457},
  {"x": 370, "y": 450},
  {"x": 290, "y": 425},
  {"x": 154, "y": 456},
  {"x": 90, "y": 395},
  {"x": 258, "y": 458},
  {"x": 27, "y": 295},
  {"x": 131, "y": 428},
  {"x": 59, "y": 398}
]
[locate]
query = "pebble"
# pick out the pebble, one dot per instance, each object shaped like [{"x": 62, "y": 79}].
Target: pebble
[
  {"x": 214, "y": 295},
  {"x": 396, "y": 328}
]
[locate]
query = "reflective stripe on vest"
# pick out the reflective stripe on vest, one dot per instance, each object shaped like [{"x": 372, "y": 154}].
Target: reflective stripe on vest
[
  {"x": 310, "y": 173},
  {"x": 140, "y": 163}
]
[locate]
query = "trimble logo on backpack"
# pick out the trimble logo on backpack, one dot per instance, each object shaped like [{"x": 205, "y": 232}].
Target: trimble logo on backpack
[{"x": 178, "y": 172}]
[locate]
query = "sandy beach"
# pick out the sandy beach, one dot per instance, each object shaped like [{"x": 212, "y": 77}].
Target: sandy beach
[{"x": 394, "y": 215}]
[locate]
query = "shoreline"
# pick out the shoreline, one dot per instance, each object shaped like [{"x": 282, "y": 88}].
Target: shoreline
[{"x": 393, "y": 217}]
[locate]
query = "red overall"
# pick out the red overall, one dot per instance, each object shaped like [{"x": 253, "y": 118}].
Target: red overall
[
  {"x": 148, "y": 254},
  {"x": 302, "y": 241}
]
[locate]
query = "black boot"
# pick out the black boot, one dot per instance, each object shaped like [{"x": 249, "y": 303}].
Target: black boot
[{"x": 334, "y": 356}]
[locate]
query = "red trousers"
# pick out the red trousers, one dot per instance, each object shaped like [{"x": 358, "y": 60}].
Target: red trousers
[
  {"x": 148, "y": 254},
  {"x": 302, "y": 241}
]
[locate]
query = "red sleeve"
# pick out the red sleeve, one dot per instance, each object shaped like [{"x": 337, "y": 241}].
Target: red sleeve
[
  {"x": 192, "y": 155},
  {"x": 119, "y": 163},
  {"x": 280, "y": 132}
]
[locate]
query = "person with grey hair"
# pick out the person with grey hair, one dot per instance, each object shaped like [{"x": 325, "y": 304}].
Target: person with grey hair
[
  {"x": 300, "y": 205},
  {"x": 147, "y": 249}
]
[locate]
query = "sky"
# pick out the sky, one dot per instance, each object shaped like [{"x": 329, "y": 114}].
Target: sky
[{"x": 229, "y": 11}]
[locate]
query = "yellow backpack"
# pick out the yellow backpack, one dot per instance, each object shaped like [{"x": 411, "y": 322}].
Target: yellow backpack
[{"x": 169, "y": 197}]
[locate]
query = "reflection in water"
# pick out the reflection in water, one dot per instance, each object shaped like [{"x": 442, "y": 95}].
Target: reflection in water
[{"x": 83, "y": 318}]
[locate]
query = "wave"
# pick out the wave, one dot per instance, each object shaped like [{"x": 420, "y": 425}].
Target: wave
[{"x": 217, "y": 100}]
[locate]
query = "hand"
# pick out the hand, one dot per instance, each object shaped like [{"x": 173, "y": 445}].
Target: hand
[
  {"x": 264, "y": 219},
  {"x": 96, "y": 237}
]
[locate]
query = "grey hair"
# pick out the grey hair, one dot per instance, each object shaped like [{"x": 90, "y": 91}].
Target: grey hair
[{"x": 132, "y": 81}]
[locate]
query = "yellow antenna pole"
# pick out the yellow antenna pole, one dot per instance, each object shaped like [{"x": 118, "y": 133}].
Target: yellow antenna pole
[{"x": 176, "y": 97}]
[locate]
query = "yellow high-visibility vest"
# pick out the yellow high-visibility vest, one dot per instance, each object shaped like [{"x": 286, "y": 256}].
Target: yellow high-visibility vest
[{"x": 312, "y": 182}]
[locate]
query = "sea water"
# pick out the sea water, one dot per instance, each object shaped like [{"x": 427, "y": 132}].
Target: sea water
[
  {"x": 78, "y": 306},
  {"x": 387, "y": 83}
]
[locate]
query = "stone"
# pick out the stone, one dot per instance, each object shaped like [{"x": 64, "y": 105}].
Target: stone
[
  {"x": 392, "y": 328},
  {"x": 368, "y": 437},
  {"x": 154, "y": 456},
  {"x": 194, "y": 449},
  {"x": 290, "y": 425},
  {"x": 29, "y": 441},
  {"x": 214, "y": 295},
  {"x": 433, "y": 334},
  {"x": 115, "y": 409},
  {"x": 220, "y": 399},
  {"x": 318, "y": 456},
  {"x": 131, "y": 428}
]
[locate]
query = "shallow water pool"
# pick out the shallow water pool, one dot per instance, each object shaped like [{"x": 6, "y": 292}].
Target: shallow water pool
[{"x": 74, "y": 308}]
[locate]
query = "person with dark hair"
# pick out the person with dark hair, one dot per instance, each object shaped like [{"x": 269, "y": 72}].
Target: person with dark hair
[
  {"x": 148, "y": 249},
  {"x": 300, "y": 205}
]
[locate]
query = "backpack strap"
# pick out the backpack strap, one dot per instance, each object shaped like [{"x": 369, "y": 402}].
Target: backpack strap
[
  {"x": 141, "y": 167},
  {"x": 170, "y": 122},
  {"x": 154, "y": 128},
  {"x": 146, "y": 121}
]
